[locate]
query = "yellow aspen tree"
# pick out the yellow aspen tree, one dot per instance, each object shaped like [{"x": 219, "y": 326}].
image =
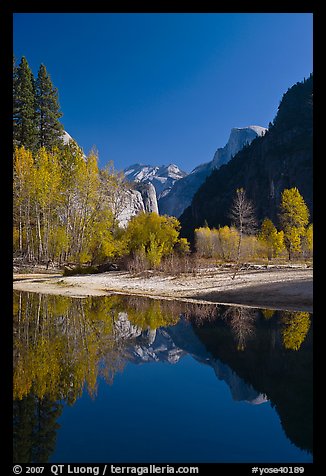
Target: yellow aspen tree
[
  {"x": 73, "y": 166},
  {"x": 47, "y": 180},
  {"x": 23, "y": 177},
  {"x": 156, "y": 235},
  {"x": 272, "y": 239},
  {"x": 229, "y": 238},
  {"x": 90, "y": 198},
  {"x": 307, "y": 241},
  {"x": 203, "y": 241},
  {"x": 294, "y": 218}
]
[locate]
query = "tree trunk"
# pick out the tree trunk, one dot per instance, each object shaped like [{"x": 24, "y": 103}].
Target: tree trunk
[
  {"x": 20, "y": 231},
  {"x": 238, "y": 255},
  {"x": 39, "y": 235}
]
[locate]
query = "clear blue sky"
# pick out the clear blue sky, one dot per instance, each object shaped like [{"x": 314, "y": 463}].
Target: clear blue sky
[{"x": 165, "y": 88}]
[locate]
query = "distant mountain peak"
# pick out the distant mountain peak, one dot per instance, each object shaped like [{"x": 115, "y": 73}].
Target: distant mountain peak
[
  {"x": 259, "y": 129},
  {"x": 162, "y": 177},
  {"x": 183, "y": 190}
]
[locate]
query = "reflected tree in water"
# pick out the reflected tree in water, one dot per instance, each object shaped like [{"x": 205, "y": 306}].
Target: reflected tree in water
[
  {"x": 200, "y": 314},
  {"x": 34, "y": 427},
  {"x": 62, "y": 344},
  {"x": 58, "y": 345},
  {"x": 295, "y": 327},
  {"x": 242, "y": 324},
  {"x": 268, "y": 313},
  {"x": 151, "y": 313}
]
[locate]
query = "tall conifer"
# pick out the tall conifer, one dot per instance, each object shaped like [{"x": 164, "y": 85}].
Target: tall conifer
[
  {"x": 24, "y": 126},
  {"x": 48, "y": 113}
]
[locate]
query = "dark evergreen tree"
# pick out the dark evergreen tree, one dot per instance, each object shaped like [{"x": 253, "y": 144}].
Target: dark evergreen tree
[
  {"x": 14, "y": 88},
  {"x": 23, "y": 423},
  {"x": 47, "y": 413},
  {"x": 34, "y": 428},
  {"x": 48, "y": 113},
  {"x": 24, "y": 125}
]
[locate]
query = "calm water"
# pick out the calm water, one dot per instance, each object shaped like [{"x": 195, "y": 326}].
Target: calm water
[{"x": 117, "y": 379}]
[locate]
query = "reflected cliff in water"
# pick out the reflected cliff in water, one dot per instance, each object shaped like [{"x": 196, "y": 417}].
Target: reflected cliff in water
[{"x": 64, "y": 346}]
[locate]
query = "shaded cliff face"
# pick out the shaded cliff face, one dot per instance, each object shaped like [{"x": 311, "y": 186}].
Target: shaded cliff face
[
  {"x": 182, "y": 192},
  {"x": 280, "y": 159}
]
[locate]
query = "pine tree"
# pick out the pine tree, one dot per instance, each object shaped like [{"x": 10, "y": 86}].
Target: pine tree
[
  {"x": 24, "y": 126},
  {"x": 45, "y": 430},
  {"x": 48, "y": 113},
  {"x": 14, "y": 96}
]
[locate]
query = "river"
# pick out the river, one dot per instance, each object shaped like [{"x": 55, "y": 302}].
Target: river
[{"x": 126, "y": 379}]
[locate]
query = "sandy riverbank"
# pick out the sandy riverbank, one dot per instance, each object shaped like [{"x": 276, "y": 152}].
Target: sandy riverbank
[{"x": 287, "y": 288}]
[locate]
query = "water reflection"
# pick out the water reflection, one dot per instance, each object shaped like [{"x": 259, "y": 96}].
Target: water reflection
[
  {"x": 242, "y": 324},
  {"x": 63, "y": 345}
]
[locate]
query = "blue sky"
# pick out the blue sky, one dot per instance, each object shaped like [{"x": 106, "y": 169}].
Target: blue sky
[{"x": 165, "y": 88}]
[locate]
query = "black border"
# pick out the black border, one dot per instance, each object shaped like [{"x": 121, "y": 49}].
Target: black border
[{"x": 6, "y": 50}]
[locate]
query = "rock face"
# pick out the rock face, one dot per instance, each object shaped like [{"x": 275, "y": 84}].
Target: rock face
[
  {"x": 131, "y": 204},
  {"x": 239, "y": 137},
  {"x": 182, "y": 192},
  {"x": 134, "y": 201},
  {"x": 280, "y": 159},
  {"x": 148, "y": 194},
  {"x": 161, "y": 177},
  {"x": 67, "y": 138}
]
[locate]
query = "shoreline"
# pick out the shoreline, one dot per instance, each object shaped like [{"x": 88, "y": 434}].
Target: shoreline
[{"x": 288, "y": 288}]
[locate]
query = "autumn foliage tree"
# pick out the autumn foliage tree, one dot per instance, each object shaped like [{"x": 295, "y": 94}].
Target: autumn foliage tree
[
  {"x": 294, "y": 218},
  {"x": 152, "y": 236},
  {"x": 60, "y": 213},
  {"x": 308, "y": 242},
  {"x": 220, "y": 244},
  {"x": 272, "y": 239},
  {"x": 243, "y": 239}
]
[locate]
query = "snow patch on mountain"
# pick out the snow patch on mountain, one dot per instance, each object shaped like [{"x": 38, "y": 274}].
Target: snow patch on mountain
[{"x": 162, "y": 177}]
